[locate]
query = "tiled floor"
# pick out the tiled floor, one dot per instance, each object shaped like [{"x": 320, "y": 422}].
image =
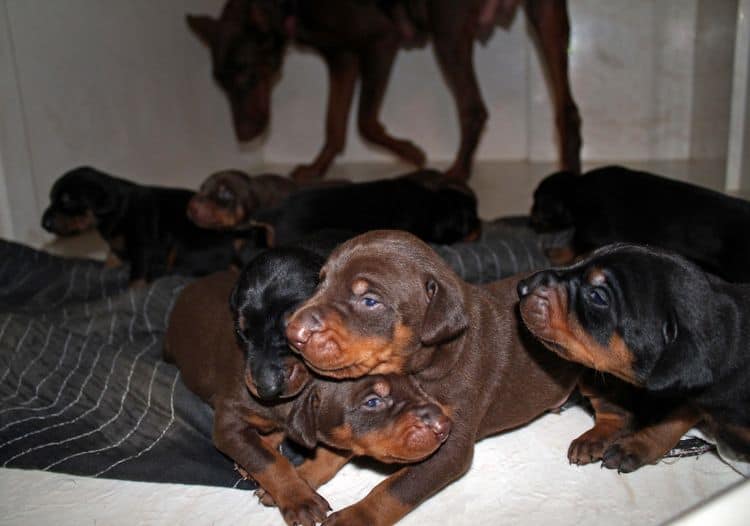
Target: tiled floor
[{"x": 503, "y": 188}]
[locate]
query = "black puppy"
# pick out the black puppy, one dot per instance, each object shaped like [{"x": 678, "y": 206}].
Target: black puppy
[
  {"x": 615, "y": 204},
  {"x": 268, "y": 289},
  {"x": 659, "y": 322},
  {"x": 423, "y": 203},
  {"x": 145, "y": 225}
]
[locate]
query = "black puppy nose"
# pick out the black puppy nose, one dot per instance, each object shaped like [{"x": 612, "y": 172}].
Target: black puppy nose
[
  {"x": 545, "y": 278},
  {"x": 47, "y": 222},
  {"x": 269, "y": 381}
]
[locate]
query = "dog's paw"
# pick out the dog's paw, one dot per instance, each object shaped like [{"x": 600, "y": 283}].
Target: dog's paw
[
  {"x": 586, "y": 449},
  {"x": 265, "y": 498},
  {"x": 630, "y": 453},
  {"x": 410, "y": 152},
  {"x": 305, "y": 508},
  {"x": 305, "y": 173},
  {"x": 457, "y": 173}
]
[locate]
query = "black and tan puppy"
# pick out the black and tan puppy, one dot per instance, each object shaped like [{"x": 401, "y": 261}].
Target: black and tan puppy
[
  {"x": 387, "y": 303},
  {"x": 424, "y": 203},
  {"x": 267, "y": 290},
  {"x": 143, "y": 225},
  {"x": 614, "y": 204},
  {"x": 227, "y": 199},
  {"x": 661, "y": 323},
  {"x": 385, "y": 417}
]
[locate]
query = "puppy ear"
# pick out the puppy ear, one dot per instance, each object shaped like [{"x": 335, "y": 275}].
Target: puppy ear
[
  {"x": 204, "y": 27},
  {"x": 302, "y": 422},
  {"x": 682, "y": 364},
  {"x": 445, "y": 317}
]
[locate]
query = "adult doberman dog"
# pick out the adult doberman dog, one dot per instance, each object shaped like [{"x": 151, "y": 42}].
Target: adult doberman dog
[
  {"x": 659, "y": 322},
  {"x": 387, "y": 303},
  {"x": 386, "y": 417},
  {"x": 359, "y": 41}
]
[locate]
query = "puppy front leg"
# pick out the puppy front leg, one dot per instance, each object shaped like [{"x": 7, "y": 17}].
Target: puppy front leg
[
  {"x": 298, "y": 503},
  {"x": 403, "y": 491},
  {"x": 323, "y": 466}
]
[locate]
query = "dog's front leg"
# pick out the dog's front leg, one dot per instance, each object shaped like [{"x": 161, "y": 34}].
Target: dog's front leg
[
  {"x": 343, "y": 70},
  {"x": 297, "y": 501},
  {"x": 403, "y": 491}
]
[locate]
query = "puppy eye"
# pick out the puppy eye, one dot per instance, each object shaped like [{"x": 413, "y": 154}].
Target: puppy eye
[
  {"x": 224, "y": 194},
  {"x": 370, "y": 302},
  {"x": 373, "y": 402},
  {"x": 598, "y": 296}
]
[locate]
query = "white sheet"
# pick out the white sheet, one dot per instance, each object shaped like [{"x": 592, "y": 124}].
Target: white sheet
[{"x": 521, "y": 477}]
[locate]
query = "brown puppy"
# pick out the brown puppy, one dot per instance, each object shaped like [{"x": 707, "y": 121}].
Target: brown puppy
[
  {"x": 386, "y": 417},
  {"x": 227, "y": 199},
  {"x": 388, "y": 303}
]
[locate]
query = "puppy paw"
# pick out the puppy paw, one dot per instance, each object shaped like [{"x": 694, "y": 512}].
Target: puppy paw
[
  {"x": 304, "y": 509},
  {"x": 629, "y": 454},
  {"x": 586, "y": 449},
  {"x": 265, "y": 498}
]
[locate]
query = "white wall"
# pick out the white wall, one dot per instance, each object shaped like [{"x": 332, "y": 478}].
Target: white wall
[{"x": 124, "y": 86}]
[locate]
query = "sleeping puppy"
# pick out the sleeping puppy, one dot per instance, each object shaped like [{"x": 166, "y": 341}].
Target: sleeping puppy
[
  {"x": 386, "y": 417},
  {"x": 423, "y": 203},
  {"x": 387, "y": 303},
  {"x": 143, "y": 225},
  {"x": 704, "y": 226},
  {"x": 659, "y": 322},
  {"x": 227, "y": 199},
  {"x": 267, "y": 290}
]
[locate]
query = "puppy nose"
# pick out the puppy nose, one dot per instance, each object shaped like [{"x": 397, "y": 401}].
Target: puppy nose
[
  {"x": 47, "y": 222},
  {"x": 301, "y": 326},
  {"x": 269, "y": 382},
  {"x": 545, "y": 278},
  {"x": 433, "y": 416}
]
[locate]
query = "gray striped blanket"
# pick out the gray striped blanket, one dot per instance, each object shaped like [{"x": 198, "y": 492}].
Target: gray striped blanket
[{"x": 83, "y": 388}]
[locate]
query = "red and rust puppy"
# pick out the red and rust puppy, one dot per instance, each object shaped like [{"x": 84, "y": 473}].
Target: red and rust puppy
[
  {"x": 659, "y": 322},
  {"x": 227, "y": 199},
  {"x": 386, "y": 417},
  {"x": 387, "y": 303}
]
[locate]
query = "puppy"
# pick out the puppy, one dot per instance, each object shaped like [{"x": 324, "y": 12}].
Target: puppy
[
  {"x": 387, "y": 303},
  {"x": 386, "y": 417},
  {"x": 705, "y": 226},
  {"x": 437, "y": 212},
  {"x": 269, "y": 288},
  {"x": 659, "y": 322},
  {"x": 143, "y": 225},
  {"x": 227, "y": 199}
]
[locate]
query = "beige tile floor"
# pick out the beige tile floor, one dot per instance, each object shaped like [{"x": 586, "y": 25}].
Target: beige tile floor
[{"x": 503, "y": 188}]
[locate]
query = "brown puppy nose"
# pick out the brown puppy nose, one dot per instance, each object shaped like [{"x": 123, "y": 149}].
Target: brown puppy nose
[
  {"x": 301, "y": 326},
  {"x": 432, "y": 416}
]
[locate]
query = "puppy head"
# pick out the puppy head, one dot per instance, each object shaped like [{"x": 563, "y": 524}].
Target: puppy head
[
  {"x": 384, "y": 302},
  {"x": 78, "y": 199},
  {"x": 552, "y": 202},
  {"x": 388, "y": 418},
  {"x": 223, "y": 200},
  {"x": 247, "y": 46},
  {"x": 267, "y": 290},
  {"x": 639, "y": 314}
]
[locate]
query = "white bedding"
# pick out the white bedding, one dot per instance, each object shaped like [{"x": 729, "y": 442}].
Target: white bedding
[{"x": 521, "y": 477}]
